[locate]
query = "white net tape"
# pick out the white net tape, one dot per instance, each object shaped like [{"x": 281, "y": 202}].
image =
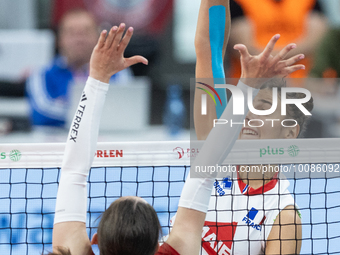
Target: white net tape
[{"x": 174, "y": 153}]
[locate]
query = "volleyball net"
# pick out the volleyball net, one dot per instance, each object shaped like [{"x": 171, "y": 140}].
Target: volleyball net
[{"x": 156, "y": 171}]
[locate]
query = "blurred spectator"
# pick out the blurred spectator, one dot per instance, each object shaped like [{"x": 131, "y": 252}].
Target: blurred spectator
[
  {"x": 327, "y": 56},
  {"x": 48, "y": 89},
  {"x": 151, "y": 20},
  {"x": 296, "y": 21},
  {"x": 148, "y": 17}
]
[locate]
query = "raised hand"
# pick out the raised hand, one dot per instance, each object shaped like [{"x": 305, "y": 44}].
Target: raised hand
[
  {"x": 108, "y": 55},
  {"x": 265, "y": 65}
]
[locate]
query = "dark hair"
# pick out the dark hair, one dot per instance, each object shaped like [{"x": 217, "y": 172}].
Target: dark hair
[
  {"x": 60, "y": 251},
  {"x": 292, "y": 110},
  {"x": 128, "y": 226}
]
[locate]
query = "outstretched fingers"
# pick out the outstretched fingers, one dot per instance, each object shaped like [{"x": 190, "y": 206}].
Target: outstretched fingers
[
  {"x": 292, "y": 69},
  {"x": 118, "y": 36},
  {"x": 293, "y": 60},
  {"x": 101, "y": 40},
  {"x": 283, "y": 53},
  {"x": 242, "y": 49},
  {"x": 110, "y": 37},
  {"x": 270, "y": 46},
  {"x": 135, "y": 60},
  {"x": 125, "y": 41}
]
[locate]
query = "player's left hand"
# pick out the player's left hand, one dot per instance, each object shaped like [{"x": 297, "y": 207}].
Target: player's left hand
[
  {"x": 108, "y": 55},
  {"x": 265, "y": 65}
]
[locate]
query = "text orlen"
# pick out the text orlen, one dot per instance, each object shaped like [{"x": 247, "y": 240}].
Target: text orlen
[
  {"x": 256, "y": 122},
  {"x": 109, "y": 153}
]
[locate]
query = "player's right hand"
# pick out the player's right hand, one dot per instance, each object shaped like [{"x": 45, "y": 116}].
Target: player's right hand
[
  {"x": 108, "y": 55},
  {"x": 265, "y": 65}
]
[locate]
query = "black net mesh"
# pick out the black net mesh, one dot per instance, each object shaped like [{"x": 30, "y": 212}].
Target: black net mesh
[{"x": 27, "y": 199}]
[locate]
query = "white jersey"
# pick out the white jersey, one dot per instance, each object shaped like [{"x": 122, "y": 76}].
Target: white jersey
[
  {"x": 244, "y": 228},
  {"x": 240, "y": 218}
]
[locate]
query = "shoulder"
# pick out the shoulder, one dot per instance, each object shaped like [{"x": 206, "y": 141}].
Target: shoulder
[
  {"x": 289, "y": 214},
  {"x": 287, "y": 228},
  {"x": 286, "y": 224}
]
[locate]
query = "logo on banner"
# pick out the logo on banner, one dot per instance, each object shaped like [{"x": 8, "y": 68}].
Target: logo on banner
[
  {"x": 292, "y": 150},
  {"x": 109, "y": 153},
  {"x": 15, "y": 155},
  {"x": 186, "y": 153},
  {"x": 180, "y": 152}
]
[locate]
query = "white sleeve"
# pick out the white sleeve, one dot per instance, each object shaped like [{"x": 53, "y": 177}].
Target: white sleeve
[
  {"x": 196, "y": 191},
  {"x": 79, "y": 153}
]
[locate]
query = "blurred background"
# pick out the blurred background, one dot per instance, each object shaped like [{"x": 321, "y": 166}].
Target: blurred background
[{"x": 45, "y": 47}]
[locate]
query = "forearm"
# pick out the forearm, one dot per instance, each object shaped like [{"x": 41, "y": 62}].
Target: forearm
[
  {"x": 79, "y": 154},
  {"x": 195, "y": 197},
  {"x": 202, "y": 37},
  {"x": 211, "y": 39},
  {"x": 215, "y": 149}
]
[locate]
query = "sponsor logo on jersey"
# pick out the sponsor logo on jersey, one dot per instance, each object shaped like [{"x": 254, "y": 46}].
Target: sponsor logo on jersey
[
  {"x": 225, "y": 184},
  {"x": 249, "y": 219},
  {"x": 217, "y": 237}
]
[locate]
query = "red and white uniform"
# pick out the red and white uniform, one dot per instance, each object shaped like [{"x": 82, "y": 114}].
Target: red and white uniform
[{"x": 240, "y": 218}]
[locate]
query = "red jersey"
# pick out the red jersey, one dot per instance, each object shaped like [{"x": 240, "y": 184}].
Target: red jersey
[{"x": 166, "y": 249}]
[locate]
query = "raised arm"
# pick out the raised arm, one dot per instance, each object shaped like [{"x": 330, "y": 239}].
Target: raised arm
[
  {"x": 212, "y": 34},
  {"x": 254, "y": 70},
  {"x": 69, "y": 231}
]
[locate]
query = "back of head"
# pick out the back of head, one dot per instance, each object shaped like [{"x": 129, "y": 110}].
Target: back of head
[{"x": 128, "y": 226}]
